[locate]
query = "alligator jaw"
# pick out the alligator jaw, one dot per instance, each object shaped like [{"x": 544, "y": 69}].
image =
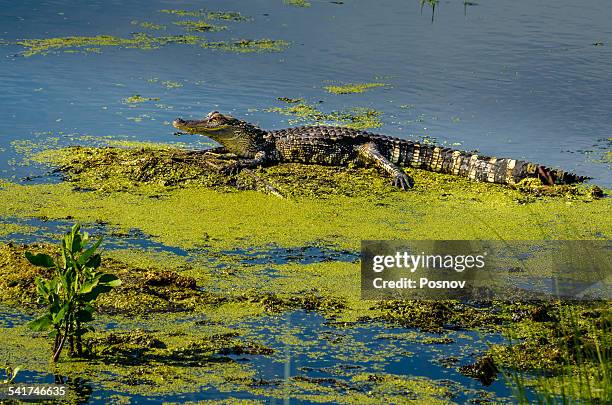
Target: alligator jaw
[
  {"x": 213, "y": 122},
  {"x": 190, "y": 126}
]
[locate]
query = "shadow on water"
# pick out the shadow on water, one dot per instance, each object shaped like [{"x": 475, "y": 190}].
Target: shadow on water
[
  {"x": 302, "y": 255},
  {"x": 46, "y": 231}
]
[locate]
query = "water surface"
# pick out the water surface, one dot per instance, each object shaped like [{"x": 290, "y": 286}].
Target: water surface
[{"x": 514, "y": 78}]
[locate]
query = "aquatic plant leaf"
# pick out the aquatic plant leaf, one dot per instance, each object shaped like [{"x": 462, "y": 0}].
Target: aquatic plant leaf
[
  {"x": 65, "y": 254},
  {"x": 93, "y": 294},
  {"x": 84, "y": 257},
  {"x": 67, "y": 279},
  {"x": 94, "y": 262},
  {"x": 110, "y": 280},
  {"x": 41, "y": 260},
  {"x": 75, "y": 239},
  {"x": 52, "y": 286},
  {"x": 41, "y": 323},
  {"x": 83, "y": 315},
  {"x": 88, "y": 286},
  {"x": 59, "y": 316},
  {"x": 42, "y": 287}
]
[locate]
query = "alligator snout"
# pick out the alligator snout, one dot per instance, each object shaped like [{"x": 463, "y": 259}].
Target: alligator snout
[{"x": 178, "y": 122}]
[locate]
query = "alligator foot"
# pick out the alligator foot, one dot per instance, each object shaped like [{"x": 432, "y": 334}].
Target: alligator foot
[
  {"x": 220, "y": 153},
  {"x": 403, "y": 181},
  {"x": 232, "y": 169},
  {"x": 369, "y": 153},
  {"x": 259, "y": 160}
]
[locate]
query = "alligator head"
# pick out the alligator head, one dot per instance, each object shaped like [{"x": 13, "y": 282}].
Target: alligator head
[{"x": 237, "y": 136}]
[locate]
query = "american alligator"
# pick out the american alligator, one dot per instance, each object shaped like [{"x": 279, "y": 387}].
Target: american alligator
[{"x": 339, "y": 146}]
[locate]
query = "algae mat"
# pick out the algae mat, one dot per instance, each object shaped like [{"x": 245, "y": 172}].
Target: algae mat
[
  {"x": 168, "y": 195},
  {"x": 242, "y": 294}
]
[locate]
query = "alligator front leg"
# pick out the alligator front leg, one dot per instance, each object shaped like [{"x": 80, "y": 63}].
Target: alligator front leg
[
  {"x": 259, "y": 160},
  {"x": 369, "y": 153},
  {"x": 220, "y": 152}
]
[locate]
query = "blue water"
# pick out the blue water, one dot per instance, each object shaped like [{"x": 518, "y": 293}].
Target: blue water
[
  {"x": 518, "y": 78},
  {"x": 351, "y": 351},
  {"x": 514, "y": 78},
  {"x": 328, "y": 352}
]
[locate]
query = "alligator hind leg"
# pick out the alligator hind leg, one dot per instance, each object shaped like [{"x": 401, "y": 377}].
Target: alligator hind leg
[{"x": 369, "y": 153}]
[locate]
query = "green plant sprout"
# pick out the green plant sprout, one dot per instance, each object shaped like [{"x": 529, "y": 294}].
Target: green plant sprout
[
  {"x": 11, "y": 374},
  {"x": 69, "y": 295}
]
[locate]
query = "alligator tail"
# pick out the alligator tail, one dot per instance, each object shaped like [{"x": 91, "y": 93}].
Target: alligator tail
[{"x": 474, "y": 166}]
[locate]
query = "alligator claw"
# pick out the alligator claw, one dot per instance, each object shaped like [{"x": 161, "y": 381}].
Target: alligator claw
[{"x": 403, "y": 181}]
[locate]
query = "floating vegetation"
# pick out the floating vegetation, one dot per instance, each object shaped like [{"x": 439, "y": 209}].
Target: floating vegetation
[
  {"x": 353, "y": 88},
  {"x": 145, "y": 42},
  {"x": 290, "y": 100},
  {"x": 248, "y": 45},
  {"x": 200, "y": 26},
  {"x": 209, "y": 15},
  {"x": 560, "y": 350},
  {"x": 9, "y": 228},
  {"x": 297, "y": 3},
  {"x": 148, "y": 25},
  {"x": 28, "y": 147},
  {"x": 137, "y": 98},
  {"x": 178, "y": 322},
  {"x": 167, "y": 323},
  {"x": 93, "y": 44},
  {"x": 138, "y": 41},
  {"x": 358, "y": 117},
  {"x": 171, "y": 85},
  {"x": 125, "y": 180},
  {"x": 226, "y": 16},
  {"x": 140, "y": 118},
  {"x": 183, "y": 13}
]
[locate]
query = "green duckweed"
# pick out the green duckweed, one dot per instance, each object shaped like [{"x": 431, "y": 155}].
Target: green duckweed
[{"x": 353, "y": 88}]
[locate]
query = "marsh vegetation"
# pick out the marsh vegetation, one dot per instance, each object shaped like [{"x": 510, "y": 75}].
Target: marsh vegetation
[{"x": 231, "y": 293}]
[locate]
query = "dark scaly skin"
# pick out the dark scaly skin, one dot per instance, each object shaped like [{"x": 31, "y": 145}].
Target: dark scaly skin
[{"x": 339, "y": 146}]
